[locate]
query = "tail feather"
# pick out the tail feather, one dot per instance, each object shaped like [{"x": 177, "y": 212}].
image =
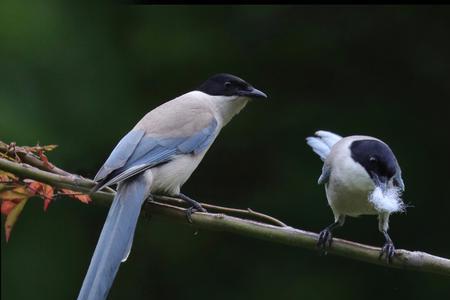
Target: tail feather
[
  {"x": 127, "y": 252},
  {"x": 328, "y": 138},
  {"x": 115, "y": 239},
  {"x": 322, "y": 143}
]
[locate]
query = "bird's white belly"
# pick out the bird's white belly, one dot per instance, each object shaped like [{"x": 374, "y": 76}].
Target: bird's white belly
[
  {"x": 348, "y": 192},
  {"x": 350, "y": 203},
  {"x": 169, "y": 177}
]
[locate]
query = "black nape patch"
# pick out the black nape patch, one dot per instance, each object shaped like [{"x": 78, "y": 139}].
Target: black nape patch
[
  {"x": 376, "y": 157},
  {"x": 225, "y": 85}
]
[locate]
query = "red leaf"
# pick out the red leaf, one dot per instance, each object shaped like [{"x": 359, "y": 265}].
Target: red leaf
[
  {"x": 12, "y": 217},
  {"x": 14, "y": 197},
  {"x": 76, "y": 195},
  {"x": 15, "y": 193},
  {"x": 44, "y": 159},
  {"x": 47, "y": 194},
  {"x": 33, "y": 186},
  {"x": 45, "y": 191},
  {"x": 7, "y": 206}
]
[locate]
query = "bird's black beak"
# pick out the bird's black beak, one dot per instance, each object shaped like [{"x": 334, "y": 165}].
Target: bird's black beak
[
  {"x": 381, "y": 181},
  {"x": 253, "y": 93}
]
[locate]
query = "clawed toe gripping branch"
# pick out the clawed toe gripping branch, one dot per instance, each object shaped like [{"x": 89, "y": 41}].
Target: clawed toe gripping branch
[{"x": 243, "y": 222}]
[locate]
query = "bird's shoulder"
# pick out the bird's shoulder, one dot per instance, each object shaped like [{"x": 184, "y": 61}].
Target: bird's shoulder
[{"x": 181, "y": 116}]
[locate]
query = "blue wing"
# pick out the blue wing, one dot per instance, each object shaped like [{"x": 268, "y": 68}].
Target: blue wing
[
  {"x": 121, "y": 153},
  {"x": 136, "y": 153}
]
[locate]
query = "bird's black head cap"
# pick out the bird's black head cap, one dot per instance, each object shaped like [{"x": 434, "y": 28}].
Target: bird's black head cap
[
  {"x": 229, "y": 85},
  {"x": 376, "y": 157}
]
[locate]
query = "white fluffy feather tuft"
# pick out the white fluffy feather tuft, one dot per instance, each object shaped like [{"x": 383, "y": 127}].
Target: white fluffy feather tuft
[{"x": 389, "y": 201}]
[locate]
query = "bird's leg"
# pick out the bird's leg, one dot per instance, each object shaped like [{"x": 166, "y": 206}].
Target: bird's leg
[
  {"x": 195, "y": 206},
  {"x": 326, "y": 235},
  {"x": 388, "y": 249}
]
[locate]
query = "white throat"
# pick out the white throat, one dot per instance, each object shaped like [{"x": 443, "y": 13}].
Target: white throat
[{"x": 226, "y": 107}]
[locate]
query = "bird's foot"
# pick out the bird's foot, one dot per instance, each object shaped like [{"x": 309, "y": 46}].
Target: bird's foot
[
  {"x": 193, "y": 209},
  {"x": 325, "y": 240},
  {"x": 195, "y": 206},
  {"x": 387, "y": 251}
]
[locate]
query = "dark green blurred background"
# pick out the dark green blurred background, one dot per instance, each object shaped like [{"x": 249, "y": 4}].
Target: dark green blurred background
[{"x": 81, "y": 77}]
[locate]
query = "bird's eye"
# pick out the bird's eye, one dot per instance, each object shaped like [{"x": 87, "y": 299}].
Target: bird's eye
[
  {"x": 372, "y": 159},
  {"x": 227, "y": 84}
]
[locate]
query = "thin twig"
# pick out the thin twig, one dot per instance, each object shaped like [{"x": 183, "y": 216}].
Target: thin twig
[
  {"x": 248, "y": 213},
  {"x": 403, "y": 259}
]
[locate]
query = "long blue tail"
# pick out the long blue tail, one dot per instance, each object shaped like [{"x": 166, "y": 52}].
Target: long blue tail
[{"x": 115, "y": 240}]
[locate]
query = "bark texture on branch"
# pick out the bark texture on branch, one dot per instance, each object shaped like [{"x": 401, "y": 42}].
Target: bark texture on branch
[{"x": 243, "y": 222}]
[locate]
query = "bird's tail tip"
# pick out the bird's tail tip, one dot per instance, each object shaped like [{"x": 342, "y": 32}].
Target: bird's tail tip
[{"x": 322, "y": 142}]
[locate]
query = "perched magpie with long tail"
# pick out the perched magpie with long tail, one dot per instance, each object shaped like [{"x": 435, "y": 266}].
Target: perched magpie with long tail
[{"x": 157, "y": 157}]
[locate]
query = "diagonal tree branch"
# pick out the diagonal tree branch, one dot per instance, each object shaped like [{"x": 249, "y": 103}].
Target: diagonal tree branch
[
  {"x": 29, "y": 158},
  {"x": 243, "y": 222}
]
